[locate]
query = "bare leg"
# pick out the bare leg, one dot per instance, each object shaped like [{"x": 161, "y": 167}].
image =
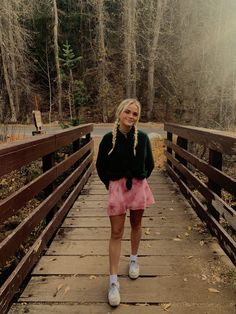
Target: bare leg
[
  {"x": 136, "y": 229},
  {"x": 117, "y": 230}
]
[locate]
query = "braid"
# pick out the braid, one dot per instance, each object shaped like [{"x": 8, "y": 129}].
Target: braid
[
  {"x": 135, "y": 138},
  {"x": 114, "y": 134}
]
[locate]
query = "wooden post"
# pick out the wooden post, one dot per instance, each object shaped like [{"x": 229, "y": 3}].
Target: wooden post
[
  {"x": 88, "y": 137},
  {"x": 169, "y": 150},
  {"x": 215, "y": 159},
  {"x": 48, "y": 163},
  {"x": 76, "y": 145},
  {"x": 182, "y": 142}
]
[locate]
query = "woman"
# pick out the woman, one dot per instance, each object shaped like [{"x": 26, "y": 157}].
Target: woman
[{"x": 124, "y": 162}]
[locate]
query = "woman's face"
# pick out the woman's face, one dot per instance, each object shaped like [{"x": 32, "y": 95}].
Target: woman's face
[{"x": 129, "y": 116}]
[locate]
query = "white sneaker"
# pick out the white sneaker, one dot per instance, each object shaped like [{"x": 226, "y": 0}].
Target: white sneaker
[
  {"x": 114, "y": 294},
  {"x": 133, "y": 270}
]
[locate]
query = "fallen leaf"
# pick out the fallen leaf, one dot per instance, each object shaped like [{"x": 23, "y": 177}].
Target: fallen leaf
[
  {"x": 185, "y": 279},
  {"x": 213, "y": 290},
  {"x": 171, "y": 208},
  {"x": 66, "y": 289},
  {"x": 186, "y": 234},
  {"x": 177, "y": 239},
  {"x": 189, "y": 228},
  {"x": 59, "y": 287},
  {"x": 204, "y": 277},
  {"x": 201, "y": 243},
  {"x": 92, "y": 277},
  {"x": 147, "y": 232},
  {"x": 166, "y": 306}
]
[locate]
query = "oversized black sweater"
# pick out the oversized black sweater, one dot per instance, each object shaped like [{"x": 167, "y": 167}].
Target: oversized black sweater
[{"x": 122, "y": 163}]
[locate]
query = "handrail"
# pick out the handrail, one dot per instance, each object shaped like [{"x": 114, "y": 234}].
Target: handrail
[
  {"x": 202, "y": 181},
  {"x": 60, "y": 184}
]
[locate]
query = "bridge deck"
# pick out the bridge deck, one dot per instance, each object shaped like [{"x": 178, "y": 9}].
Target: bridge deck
[{"x": 183, "y": 269}]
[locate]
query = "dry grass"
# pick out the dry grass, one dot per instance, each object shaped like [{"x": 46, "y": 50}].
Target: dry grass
[{"x": 158, "y": 150}]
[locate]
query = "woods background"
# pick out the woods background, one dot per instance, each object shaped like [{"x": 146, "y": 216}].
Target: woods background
[{"x": 77, "y": 59}]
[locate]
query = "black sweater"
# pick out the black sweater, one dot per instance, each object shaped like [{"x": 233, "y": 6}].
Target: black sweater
[{"x": 122, "y": 163}]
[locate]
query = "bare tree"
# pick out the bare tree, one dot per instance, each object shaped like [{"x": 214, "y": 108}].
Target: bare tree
[
  {"x": 5, "y": 63},
  {"x": 102, "y": 64},
  {"x": 56, "y": 54},
  {"x": 14, "y": 53},
  {"x": 156, "y": 15},
  {"x": 130, "y": 53}
]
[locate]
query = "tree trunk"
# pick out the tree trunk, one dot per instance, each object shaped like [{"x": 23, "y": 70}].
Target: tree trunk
[
  {"x": 57, "y": 62},
  {"x": 6, "y": 77},
  {"x": 13, "y": 69},
  {"x": 103, "y": 88},
  {"x": 130, "y": 48},
  {"x": 153, "y": 55},
  {"x": 70, "y": 95},
  {"x": 49, "y": 85}
]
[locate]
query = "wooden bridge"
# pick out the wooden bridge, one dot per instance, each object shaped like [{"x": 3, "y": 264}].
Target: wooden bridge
[{"x": 60, "y": 248}]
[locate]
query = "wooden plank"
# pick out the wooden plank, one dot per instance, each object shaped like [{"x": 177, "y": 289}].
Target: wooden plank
[
  {"x": 91, "y": 212},
  {"x": 100, "y": 247},
  {"x": 13, "y": 282},
  {"x": 140, "y": 308},
  {"x": 163, "y": 190},
  {"x": 58, "y": 265},
  {"x": 72, "y": 134},
  {"x": 104, "y": 233},
  {"x": 29, "y": 150},
  {"x": 175, "y": 259},
  {"x": 32, "y": 149},
  {"x": 14, "y": 202},
  {"x": 80, "y": 222},
  {"x": 150, "y": 290},
  {"x": 219, "y": 205},
  {"x": 183, "y": 247},
  {"x": 149, "y": 265},
  {"x": 11, "y": 243},
  {"x": 225, "y": 239},
  {"x": 103, "y": 204},
  {"x": 158, "y": 196},
  {"x": 222, "y": 179},
  {"x": 224, "y": 142}
]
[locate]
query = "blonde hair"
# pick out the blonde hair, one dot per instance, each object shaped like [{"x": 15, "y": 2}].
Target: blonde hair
[{"x": 122, "y": 106}]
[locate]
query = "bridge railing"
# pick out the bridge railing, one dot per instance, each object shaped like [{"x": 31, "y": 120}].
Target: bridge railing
[
  {"x": 64, "y": 164},
  {"x": 196, "y": 159}
]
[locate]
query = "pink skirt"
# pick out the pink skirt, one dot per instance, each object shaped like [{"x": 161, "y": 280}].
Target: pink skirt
[{"x": 120, "y": 199}]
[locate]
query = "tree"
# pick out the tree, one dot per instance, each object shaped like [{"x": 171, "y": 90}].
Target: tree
[
  {"x": 57, "y": 61},
  {"x": 68, "y": 62},
  {"x": 14, "y": 50},
  {"x": 102, "y": 64},
  {"x": 156, "y": 16},
  {"x": 130, "y": 54}
]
